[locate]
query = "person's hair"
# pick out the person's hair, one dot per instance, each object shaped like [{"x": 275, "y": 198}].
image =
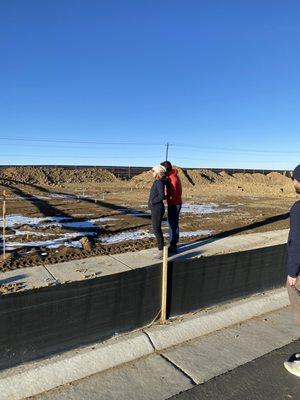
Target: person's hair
[
  {"x": 159, "y": 175},
  {"x": 167, "y": 165}
]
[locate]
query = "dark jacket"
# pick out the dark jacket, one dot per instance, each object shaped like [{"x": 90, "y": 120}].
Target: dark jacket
[
  {"x": 157, "y": 193},
  {"x": 174, "y": 190},
  {"x": 293, "y": 264}
]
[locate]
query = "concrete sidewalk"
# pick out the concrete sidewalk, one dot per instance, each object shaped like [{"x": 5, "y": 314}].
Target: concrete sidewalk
[
  {"x": 93, "y": 267},
  {"x": 261, "y": 379},
  {"x": 186, "y": 367}
]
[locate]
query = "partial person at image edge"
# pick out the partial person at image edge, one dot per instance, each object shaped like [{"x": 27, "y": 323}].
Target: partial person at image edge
[
  {"x": 157, "y": 207},
  {"x": 293, "y": 268},
  {"x": 174, "y": 201}
]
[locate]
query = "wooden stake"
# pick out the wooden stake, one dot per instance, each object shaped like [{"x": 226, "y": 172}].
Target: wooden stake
[
  {"x": 4, "y": 224},
  {"x": 163, "y": 316}
]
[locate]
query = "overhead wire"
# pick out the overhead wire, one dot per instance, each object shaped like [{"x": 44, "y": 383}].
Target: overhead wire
[{"x": 74, "y": 141}]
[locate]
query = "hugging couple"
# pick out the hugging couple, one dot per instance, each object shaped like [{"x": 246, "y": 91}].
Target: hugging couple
[{"x": 167, "y": 186}]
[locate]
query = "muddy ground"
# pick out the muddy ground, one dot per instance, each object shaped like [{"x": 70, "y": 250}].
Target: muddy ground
[{"x": 54, "y": 223}]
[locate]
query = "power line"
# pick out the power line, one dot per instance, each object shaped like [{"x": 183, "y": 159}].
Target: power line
[
  {"x": 75, "y": 156},
  {"x": 175, "y": 160},
  {"x": 70, "y": 141},
  {"x": 142, "y": 144},
  {"x": 239, "y": 150}
]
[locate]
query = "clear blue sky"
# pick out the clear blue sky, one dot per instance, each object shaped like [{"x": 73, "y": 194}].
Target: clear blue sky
[{"x": 219, "y": 80}]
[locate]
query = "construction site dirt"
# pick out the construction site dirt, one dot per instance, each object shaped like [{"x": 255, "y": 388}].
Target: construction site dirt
[{"x": 60, "y": 215}]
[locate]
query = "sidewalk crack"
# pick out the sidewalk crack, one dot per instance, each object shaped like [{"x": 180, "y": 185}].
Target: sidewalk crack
[
  {"x": 150, "y": 340},
  {"x": 178, "y": 368}
]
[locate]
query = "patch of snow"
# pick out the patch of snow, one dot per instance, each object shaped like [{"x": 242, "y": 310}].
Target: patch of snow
[
  {"x": 45, "y": 222},
  {"x": 103, "y": 219},
  {"x": 79, "y": 224},
  {"x": 140, "y": 234},
  {"x": 14, "y": 219},
  {"x": 195, "y": 233},
  {"x": 208, "y": 208},
  {"x": 124, "y": 236},
  {"x": 87, "y": 224},
  {"x": 19, "y": 232},
  {"x": 50, "y": 244},
  {"x": 63, "y": 240},
  {"x": 81, "y": 215}
]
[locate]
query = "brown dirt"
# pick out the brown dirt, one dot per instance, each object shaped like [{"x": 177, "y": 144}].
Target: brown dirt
[
  {"x": 204, "y": 177},
  {"x": 56, "y": 176},
  {"x": 276, "y": 178},
  {"x": 145, "y": 179},
  {"x": 197, "y": 178},
  {"x": 254, "y": 199}
]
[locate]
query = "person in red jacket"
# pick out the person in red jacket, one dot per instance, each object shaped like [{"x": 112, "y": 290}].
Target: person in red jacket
[{"x": 174, "y": 201}]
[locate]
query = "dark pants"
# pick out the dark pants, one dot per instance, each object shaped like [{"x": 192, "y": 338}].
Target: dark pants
[
  {"x": 173, "y": 220},
  {"x": 157, "y": 213},
  {"x": 294, "y": 295}
]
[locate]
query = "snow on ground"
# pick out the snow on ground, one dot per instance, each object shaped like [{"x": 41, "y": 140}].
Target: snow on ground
[
  {"x": 50, "y": 244},
  {"x": 67, "y": 239},
  {"x": 61, "y": 221},
  {"x": 140, "y": 234},
  {"x": 63, "y": 240},
  {"x": 208, "y": 208}
]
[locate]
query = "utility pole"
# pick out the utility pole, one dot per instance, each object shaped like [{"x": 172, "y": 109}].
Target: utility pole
[{"x": 167, "y": 150}]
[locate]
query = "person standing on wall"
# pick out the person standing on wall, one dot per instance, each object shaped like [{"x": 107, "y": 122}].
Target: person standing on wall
[
  {"x": 293, "y": 267},
  {"x": 174, "y": 201},
  {"x": 156, "y": 206}
]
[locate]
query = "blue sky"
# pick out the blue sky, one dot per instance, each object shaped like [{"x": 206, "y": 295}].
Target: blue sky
[{"x": 99, "y": 82}]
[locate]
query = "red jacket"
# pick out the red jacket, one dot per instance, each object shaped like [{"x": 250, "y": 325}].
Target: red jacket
[{"x": 174, "y": 190}]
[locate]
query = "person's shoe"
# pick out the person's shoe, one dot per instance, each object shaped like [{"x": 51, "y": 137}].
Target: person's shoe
[
  {"x": 293, "y": 366},
  {"x": 158, "y": 255},
  {"x": 172, "y": 250}
]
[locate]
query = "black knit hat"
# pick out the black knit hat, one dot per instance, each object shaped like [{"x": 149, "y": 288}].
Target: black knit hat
[{"x": 296, "y": 173}]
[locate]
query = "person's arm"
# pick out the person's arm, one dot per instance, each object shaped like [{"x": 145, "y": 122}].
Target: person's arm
[
  {"x": 173, "y": 187},
  {"x": 293, "y": 264},
  {"x": 159, "y": 193},
  {"x": 178, "y": 187}
]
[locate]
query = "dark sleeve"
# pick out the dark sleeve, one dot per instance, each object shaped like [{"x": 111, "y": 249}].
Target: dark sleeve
[
  {"x": 293, "y": 264},
  {"x": 159, "y": 193}
]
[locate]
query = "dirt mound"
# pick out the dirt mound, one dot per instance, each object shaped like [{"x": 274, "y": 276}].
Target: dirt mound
[
  {"x": 259, "y": 178},
  {"x": 212, "y": 176},
  {"x": 55, "y": 176},
  {"x": 145, "y": 179},
  {"x": 225, "y": 175},
  {"x": 25, "y": 175},
  {"x": 185, "y": 181},
  {"x": 197, "y": 178},
  {"x": 255, "y": 178},
  {"x": 243, "y": 177},
  {"x": 204, "y": 176},
  {"x": 277, "y": 178}
]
